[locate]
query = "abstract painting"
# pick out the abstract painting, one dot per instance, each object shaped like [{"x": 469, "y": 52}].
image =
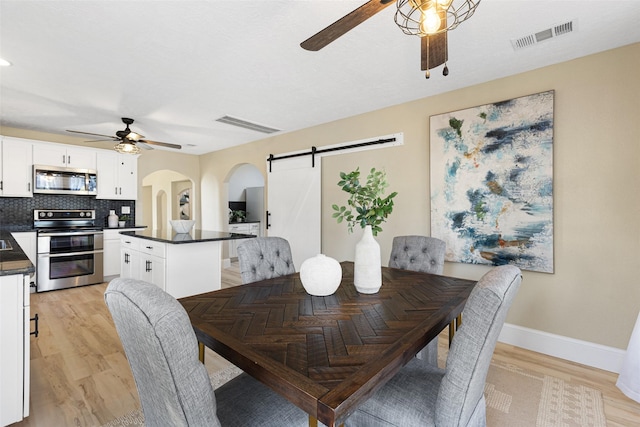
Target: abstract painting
[{"x": 492, "y": 183}]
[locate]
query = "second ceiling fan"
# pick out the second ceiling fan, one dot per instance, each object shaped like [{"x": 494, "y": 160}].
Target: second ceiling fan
[
  {"x": 128, "y": 139},
  {"x": 428, "y": 19}
]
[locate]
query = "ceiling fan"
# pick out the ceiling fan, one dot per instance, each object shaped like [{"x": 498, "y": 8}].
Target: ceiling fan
[
  {"x": 128, "y": 139},
  {"x": 428, "y": 19}
]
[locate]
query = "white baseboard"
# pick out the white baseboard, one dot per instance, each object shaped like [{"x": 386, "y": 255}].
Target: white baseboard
[{"x": 583, "y": 352}]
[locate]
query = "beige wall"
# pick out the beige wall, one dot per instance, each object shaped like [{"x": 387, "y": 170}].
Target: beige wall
[{"x": 594, "y": 294}]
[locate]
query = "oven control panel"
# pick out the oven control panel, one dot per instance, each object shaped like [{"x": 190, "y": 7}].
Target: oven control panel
[{"x": 59, "y": 214}]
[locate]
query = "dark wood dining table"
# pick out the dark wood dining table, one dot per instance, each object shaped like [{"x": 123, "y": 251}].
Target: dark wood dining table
[{"x": 326, "y": 354}]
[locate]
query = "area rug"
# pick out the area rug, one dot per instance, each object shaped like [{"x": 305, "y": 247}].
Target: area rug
[
  {"x": 518, "y": 397},
  {"x": 515, "y": 398}
]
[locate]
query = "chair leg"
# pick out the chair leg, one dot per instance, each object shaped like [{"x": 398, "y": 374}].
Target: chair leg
[
  {"x": 453, "y": 327},
  {"x": 201, "y": 352}
]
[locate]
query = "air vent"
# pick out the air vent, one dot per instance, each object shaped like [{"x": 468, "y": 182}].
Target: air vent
[
  {"x": 546, "y": 34},
  {"x": 246, "y": 125}
]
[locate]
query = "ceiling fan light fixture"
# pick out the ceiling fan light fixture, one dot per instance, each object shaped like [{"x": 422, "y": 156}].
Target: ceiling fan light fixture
[
  {"x": 127, "y": 148},
  {"x": 412, "y": 15}
]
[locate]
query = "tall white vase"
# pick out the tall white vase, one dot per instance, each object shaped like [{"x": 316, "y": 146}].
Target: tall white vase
[{"x": 367, "y": 273}]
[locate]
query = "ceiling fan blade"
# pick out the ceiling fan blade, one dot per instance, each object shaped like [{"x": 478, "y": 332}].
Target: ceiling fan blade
[
  {"x": 344, "y": 24},
  {"x": 143, "y": 145},
  {"x": 161, "y": 144},
  {"x": 433, "y": 50},
  {"x": 111, "y": 138}
]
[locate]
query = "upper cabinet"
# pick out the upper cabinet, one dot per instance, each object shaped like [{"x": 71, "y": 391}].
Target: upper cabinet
[
  {"x": 64, "y": 155},
  {"x": 15, "y": 167},
  {"x": 117, "y": 175}
]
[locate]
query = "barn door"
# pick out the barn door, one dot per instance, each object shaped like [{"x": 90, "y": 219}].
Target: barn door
[{"x": 293, "y": 198}]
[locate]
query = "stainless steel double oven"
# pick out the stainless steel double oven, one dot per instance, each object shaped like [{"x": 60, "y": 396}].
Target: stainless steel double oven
[{"x": 70, "y": 249}]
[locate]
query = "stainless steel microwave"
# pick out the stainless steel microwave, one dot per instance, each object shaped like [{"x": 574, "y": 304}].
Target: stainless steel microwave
[{"x": 57, "y": 180}]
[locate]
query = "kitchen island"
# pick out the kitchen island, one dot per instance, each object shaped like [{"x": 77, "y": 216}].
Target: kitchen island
[{"x": 181, "y": 264}]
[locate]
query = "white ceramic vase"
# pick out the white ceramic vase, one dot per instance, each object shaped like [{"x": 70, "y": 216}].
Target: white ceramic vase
[
  {"x": 367, "y": 272},
  {"x": 112, "y": 219},
  {"x": 320, "y": 275}
]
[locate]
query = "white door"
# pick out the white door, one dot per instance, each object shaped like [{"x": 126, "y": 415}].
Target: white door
[{"x": 294, "y": 195}]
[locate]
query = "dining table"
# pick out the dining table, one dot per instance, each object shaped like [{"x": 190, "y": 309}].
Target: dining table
[{"x": 326, "y": 354}]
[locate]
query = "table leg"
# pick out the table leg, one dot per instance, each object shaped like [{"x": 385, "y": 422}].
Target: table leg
[
  {"x": 313, "y": 422},
  {"x": 201, "y": 352}
]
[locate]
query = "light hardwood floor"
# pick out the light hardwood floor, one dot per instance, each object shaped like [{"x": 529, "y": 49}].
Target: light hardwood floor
[{"x": 80, "y": 376}]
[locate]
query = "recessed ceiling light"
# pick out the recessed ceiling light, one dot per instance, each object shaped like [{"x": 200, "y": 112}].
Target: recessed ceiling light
[{"x": 4, "y": 63}]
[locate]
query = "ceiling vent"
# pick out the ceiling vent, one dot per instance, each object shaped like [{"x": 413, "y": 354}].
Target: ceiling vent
[
  {"x": 546, "y": 34},
  {"x": 246, "y": 125}
]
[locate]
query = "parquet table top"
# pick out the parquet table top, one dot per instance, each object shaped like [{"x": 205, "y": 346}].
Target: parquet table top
[{"x": 326, "y": 354}]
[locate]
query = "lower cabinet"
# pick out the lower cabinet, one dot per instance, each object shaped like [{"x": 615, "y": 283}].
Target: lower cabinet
[
  {"x": 181, "y": 270},
  {"x": 252, "y": 228},
  {"x": 111, "y": 248},
  {"x": 14, "y": 351}
]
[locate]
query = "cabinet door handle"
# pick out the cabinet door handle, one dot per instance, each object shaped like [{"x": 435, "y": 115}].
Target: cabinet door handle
[
  {"x": 126, "y": 258},
  {"x": 68, "y": 160},
  {"x": 148, "y": 266},
  {"x": 64, "y": 158},
  {"x": 35, "y": 319},
  {"x": 116, "y": 190},
  {"x": 268, "y": 218}
]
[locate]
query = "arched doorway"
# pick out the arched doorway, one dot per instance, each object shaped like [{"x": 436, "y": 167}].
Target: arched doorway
[{"x": 169, "y": 195}]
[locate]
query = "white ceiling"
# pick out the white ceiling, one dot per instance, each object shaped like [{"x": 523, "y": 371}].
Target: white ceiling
[{"x": 176, "y": 66}]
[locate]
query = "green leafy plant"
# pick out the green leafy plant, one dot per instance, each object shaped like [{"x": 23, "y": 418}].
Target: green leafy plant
[
  {"x": 365, "y": 206},
  {"x": 124, "y": 218},
  {"x": 237, "y": 215}
]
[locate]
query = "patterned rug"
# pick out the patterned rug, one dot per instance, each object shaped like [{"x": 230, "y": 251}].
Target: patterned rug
[{"x": 515, "y": 397}]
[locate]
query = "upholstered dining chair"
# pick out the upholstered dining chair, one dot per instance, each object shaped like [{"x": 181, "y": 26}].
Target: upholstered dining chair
[
  {"x": 418, "y": 253},
  {"x": 424, "y": 254},
  {"x": 173, "y": 385},
  {"x": 263, "y": 258},
  {"x": 425, "y": 395}
]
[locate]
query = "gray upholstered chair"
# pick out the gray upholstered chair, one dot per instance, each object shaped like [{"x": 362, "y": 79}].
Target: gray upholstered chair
[
  {"x": 263, "y": 258},
  {"x": 424, "y": 395},
  {"x": 424, "y": 254},
  {"x": 173, "y": 386},
  {"x": 418, "y": 253}
]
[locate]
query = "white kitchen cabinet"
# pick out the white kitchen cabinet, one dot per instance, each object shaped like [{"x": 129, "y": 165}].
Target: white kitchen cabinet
[
  {"x": 143, "y": 260},
  {"x": 14, "y": 351},
  {"x": 117, "y": 175},
  {"x": 252, "y": 228},
  {"x": 64, "y": 155},
  {"x": 27, "y": 241},
  {"x": 181, "y": 269},
  {"x": 111, "y": 251},
  {"x": 16, "y": 167}
]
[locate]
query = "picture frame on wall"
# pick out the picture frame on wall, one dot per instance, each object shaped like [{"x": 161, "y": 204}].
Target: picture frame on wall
[{"x": 492, "y": 182}]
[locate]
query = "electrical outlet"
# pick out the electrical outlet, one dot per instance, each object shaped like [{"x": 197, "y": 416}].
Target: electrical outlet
[{"x": 126, "y": 210}]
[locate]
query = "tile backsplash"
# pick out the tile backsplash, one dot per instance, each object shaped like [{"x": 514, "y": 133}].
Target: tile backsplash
[{"x": 16, "y": 213}]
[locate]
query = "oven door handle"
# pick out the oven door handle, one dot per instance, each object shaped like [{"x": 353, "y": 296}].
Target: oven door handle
[
  {"x": 69, "y": 233},
  {"x": 50, "y": 255}
]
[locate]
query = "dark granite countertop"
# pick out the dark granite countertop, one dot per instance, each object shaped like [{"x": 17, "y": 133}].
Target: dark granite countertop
[
  {"x": 243, "y": 222},
  {"x": 195, "y": 236},
  {"x": 13, "y": 261},
  {"x": 125, "y": 227}
]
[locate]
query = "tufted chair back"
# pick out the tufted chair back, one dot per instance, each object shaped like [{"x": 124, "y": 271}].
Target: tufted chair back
[
  {"x": 418, "y": 253},
  {"x": 264, "y": 258}
]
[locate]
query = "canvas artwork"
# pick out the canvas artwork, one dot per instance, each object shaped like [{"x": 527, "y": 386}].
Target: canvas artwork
[{"x": 492, "y": 183}]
